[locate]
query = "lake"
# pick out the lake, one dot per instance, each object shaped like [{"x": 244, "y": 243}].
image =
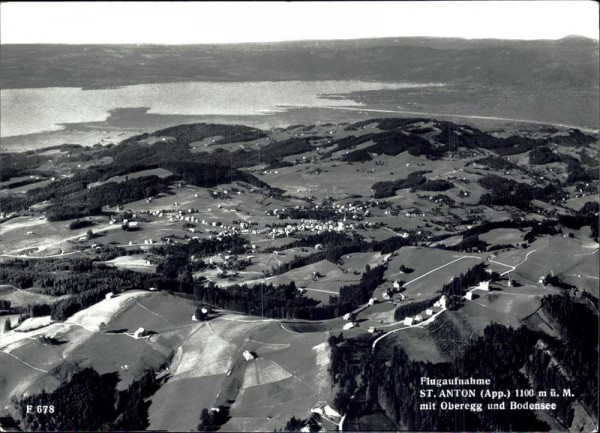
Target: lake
[{"x": 32, "y": 111}]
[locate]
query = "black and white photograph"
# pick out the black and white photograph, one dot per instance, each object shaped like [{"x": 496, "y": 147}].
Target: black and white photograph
[{"x": 328, "y": 216}]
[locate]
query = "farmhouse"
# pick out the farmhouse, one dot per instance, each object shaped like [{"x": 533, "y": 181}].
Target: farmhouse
[
  {"x": 441, "y": 303},
  {"x": 469, "y": 296},
  {"x": 372, "y": 329},
  {"x": 373, "y": 301},
  {"x": 317, "y": 410},
  {"x": 326, "y": 410},
  {"x": 484, "y": 285},
  {"x": 349, "y": 316},
  {"x": 109, "y": 295},
  {"x": 140, "y": 333},
  {"x": 429, "y": 312},
  {"x": 408, "y": 321},
  {"x": 349, "y": 325},
  {"x": 248, "y": 356},
  {"x": 418, "y": 318}
]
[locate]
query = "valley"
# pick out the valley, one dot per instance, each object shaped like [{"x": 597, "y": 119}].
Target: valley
[{"x": 250, "y": 272}]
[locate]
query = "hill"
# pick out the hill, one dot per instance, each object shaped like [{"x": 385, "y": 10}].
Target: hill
[{"x": 568, "y": 63}]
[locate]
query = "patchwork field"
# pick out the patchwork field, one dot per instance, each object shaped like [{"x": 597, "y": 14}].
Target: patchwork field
[
  {"x": 266, "y": 371},
  {"x": 204, "y": 360}
]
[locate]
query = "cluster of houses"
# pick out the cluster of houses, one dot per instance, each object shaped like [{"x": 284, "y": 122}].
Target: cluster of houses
[
  {"x": 316, "y": 226},
  {"x": 413, "y": 212},
  {"x": 483, "y": 285},
  {"x": 439, "y": 305}
]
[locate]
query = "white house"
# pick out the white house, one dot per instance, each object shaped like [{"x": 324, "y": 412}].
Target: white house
[
  {"x": 408, "y": 321},
  {"x": 140, "y": 333},
  {"x": 443, "y": 301},
  {"x": 484, "y": 285},
  {"x": 331, "y": 412},
  {"x": 372, "y": 329},
  {"x": 373, "y": 301},
  {"x": 418, "y": 318},
  {"x": 194, "y": 318},
  {"x": 469, "y": 296},
  {"x": 396, "y": 285},
  {"x": 317, "y": 410},
  {"x": 348, "y": 325},
  {"x": 248, "y": 356},
  {"x": 109, "y": 295},
  {"x": 429, "y": 312}
]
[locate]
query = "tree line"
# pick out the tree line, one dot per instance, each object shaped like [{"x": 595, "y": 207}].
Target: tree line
[{"x": 90, "y": 402}]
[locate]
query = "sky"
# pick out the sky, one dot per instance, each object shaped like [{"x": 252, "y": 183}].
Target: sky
[{"x": 231, "y": 22}]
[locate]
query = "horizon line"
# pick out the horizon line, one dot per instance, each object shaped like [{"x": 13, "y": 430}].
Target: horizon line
[{"x": 283, "y": 41}]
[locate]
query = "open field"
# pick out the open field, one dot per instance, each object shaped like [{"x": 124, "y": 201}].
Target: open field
[
  {"x": 160, "y": 172},
  {"x": 15, "y": 377},
  {"x": 25, "y": 237},
  {"x": 503, "y": 236},
  {"x": 432, "y": 269},
  {"x": 103, "y": 312},
  {"x": 177, "y": 404},
  {"x": 418, "y": 344},
  {"x": 134, "y": 262},
  {"x": 20, "y": 297},
  {"x": 329, "y": 284},
  {"x": 508, "y": 306},
  {"x": 545, "y": 256},
  {"x": 159, "y": 313},
  {"x": 287, "y": 377},
  {"x": 584, "y": 274}
]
